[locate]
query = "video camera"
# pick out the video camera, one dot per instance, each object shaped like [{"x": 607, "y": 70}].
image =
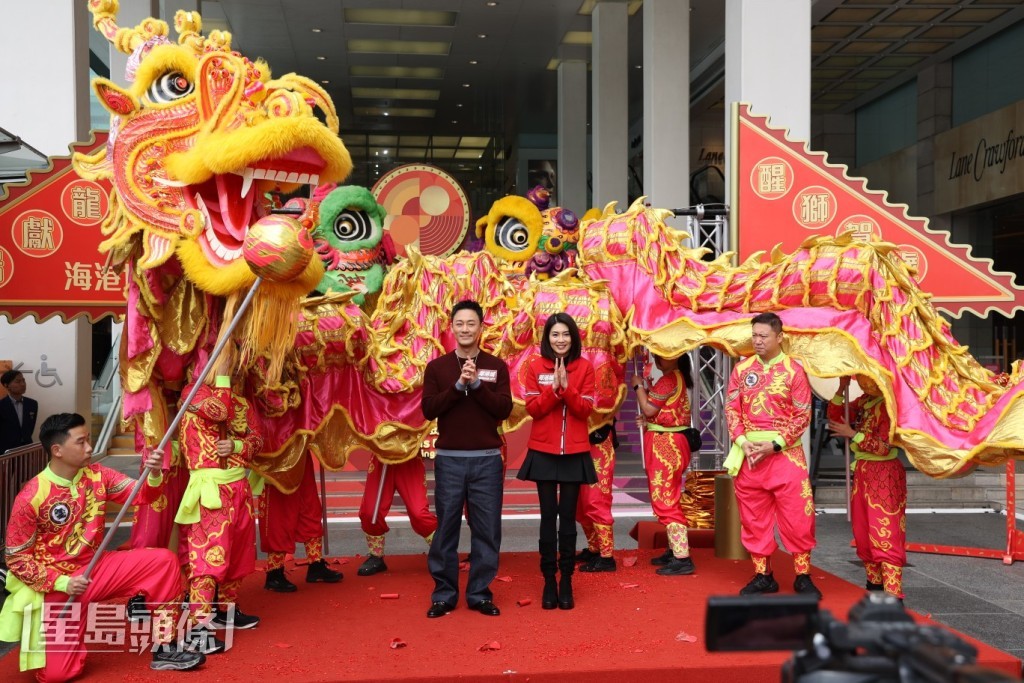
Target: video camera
[{"x": 880, "y": 643}]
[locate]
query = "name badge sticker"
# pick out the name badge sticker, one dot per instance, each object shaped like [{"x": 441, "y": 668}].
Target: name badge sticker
[
  {"x": 487, "y": 375},
  {"x": 546, "y": 379}
]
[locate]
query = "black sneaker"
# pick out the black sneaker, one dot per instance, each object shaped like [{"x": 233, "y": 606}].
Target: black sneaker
[
  {"x": 587, "y": 555},
  {"x": 372, "y": 565},
  {"x": 137, "y": 610},
  {"x": 679, "y": 566},
  {"x": 240, "y": 621},
  {"x": 201, "y": 640},
  {"x": 278, "y": 582},
  {"x": 761, "y": 583},
  {"x": 599, "y": 564},
  {"x": 803, "y": 584},
  {"x": 874, "y": 586},
  {"x": 319, "y": 571},
  {"x": 169, "y": 658},
  {"x": 663, "y": 559}
]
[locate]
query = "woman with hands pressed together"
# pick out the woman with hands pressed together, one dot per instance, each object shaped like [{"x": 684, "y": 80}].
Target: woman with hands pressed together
[{"x": 560, "y": 387}]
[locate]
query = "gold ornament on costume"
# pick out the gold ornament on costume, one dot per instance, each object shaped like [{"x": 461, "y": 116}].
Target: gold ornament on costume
[{"x": 277, "y": 248}]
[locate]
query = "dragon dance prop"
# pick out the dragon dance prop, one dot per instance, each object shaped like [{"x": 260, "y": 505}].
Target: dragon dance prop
[
  {"x": 848, "y": 308},
  {"x": 204, "y": 139}
]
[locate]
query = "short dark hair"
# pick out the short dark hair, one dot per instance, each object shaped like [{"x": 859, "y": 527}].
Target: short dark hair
[
  {"x": 57, "y": 428},
  {"x": 10, "y": 376},
  {"x": 576, "y": 344},
  {"x": 468, "y": 305},
  {"x": 770, "y": 319}
]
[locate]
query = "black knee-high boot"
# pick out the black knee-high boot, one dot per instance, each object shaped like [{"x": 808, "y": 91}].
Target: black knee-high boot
[
  {"x": 548, "y": 566},
  {"x": 567, "y": 565}
]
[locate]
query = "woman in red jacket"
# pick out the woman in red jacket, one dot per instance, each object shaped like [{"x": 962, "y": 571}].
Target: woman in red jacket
[{"x": 560, "y": 388}]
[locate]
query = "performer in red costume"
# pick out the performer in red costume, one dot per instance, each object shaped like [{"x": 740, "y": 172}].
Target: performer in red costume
[
  {"x": 767, "y": 411},
  {"x": 218, "y": 534},
  {"x": 666, "y": 407},
  {"x": 56, "y": 525},
  {"x": 410, "y": 480},
  {"x": 878, "y": 504},
  {"x": 290, "y": 518},
  {"x": 594, "y": 509}
]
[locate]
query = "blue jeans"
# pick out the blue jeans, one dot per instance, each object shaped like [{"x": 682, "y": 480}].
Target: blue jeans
[{"x": 476, "y": 482}]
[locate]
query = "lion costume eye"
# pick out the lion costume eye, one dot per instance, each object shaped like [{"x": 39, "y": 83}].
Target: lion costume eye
[
  {"x": 512, "y": 235},
  {"x": 169, "y": 87},
  {"x": 353, "y": 225}
]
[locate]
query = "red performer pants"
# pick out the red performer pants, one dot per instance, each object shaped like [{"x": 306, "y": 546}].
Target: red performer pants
[
  {"x": 410, "y": 480},
  {"x": 154, "y": 523},
  {"x": 153, "y": 572},
  {"x": 776, "y": 491},
  {"x": 878, "y": 511},
  {"x": 594, "y": 509},
  {"x": 287, "y": 519},
  {"x": 666, "y": 458}
]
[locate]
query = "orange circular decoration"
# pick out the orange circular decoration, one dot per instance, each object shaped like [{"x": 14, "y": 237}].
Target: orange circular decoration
[
  {"x": 6, "y": 266},
  {"x": 425, "y": 206},
  {"x": 865, "y": 228},
  {"x": 771, "y": 178},
  {"x": 37, "y": 233},
  {"x": 84, "y": 202},
  {"x": 814, "y": 207}
]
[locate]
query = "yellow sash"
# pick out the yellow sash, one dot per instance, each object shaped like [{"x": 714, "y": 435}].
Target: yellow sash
[
  {"x": 736, "y": 456},
  {"x": 12, "y": 623},
  {"x": 203, "y": 490}
]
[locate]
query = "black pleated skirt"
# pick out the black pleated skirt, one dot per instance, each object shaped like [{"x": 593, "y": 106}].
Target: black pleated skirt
[{"x": 569, "y": 468}]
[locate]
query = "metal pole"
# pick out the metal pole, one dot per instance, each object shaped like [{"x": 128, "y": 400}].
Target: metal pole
[
  {"x": 846, "y": 448},
  {"x": 167, "y": 436},
  {"x": 380, "y": 492},
  {"x": 640, "y": 413},
  {"x": 323, "y": 507}
]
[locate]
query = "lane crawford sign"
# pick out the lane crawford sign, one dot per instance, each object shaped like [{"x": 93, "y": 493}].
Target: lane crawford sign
[{"x": 980, "y": 161}]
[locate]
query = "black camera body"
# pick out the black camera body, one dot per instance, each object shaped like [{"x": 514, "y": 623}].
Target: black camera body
[{"x": 880, "y": 643}]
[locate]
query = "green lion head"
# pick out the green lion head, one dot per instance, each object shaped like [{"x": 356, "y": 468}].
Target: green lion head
[{"x": 349, "y": 240}]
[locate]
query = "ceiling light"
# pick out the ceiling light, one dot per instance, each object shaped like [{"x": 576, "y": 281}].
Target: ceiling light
[
  {"x": 459, "y": 105},
  {"x": 492, "y": 3},
  {"x": 454, "y": 121},
  {"x": 420, "y": 72},
  {"x": 465, "y": 85},
  {"x": 325, "y": 81},
  {"x": 481, "y": 35},
  {"x": 639, "y": 66},
  {"x": 401, "y": 17},
  {"x": 473, "y": 62},
  {"x": 385, "y": 152},
  {"x": 385, "y": 113},
  {"x": 317, "y": 30},
  {"x": 401, "y": 47},
  {"x": 363, "y": 93},
  {"x": 321, "y": 57},
  {"x": 578, "y": 38}
]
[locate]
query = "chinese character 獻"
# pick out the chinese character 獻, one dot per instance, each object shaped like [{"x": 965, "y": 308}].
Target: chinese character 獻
[
  {"x": 771, "y": 178},
  {"x": 78, "y": 275},
  {"x": 37, "y": 233},
  {"x": 85, "y": 203},
  {"x": 814, "y": 209}
]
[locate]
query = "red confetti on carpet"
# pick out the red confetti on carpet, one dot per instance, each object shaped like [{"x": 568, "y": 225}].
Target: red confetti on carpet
[{"x": 342, "y": 631}]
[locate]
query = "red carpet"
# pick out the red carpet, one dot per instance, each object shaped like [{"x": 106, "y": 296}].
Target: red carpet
[{"x": 627, "y": 625}]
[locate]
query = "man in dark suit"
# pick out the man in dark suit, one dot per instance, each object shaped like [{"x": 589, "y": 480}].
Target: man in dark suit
[{"x": 17, "y": 412}]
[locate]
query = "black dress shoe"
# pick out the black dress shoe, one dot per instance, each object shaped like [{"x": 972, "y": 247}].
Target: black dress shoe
[
  {"x": 372, "y": 565},
  {"x": 439, "y": 609},
  {"x": 486, "y": 607},
  {"x": 319, "y": 572},
  {"x": 278, "y": 582},
  {"x": 663, "y": 559}
]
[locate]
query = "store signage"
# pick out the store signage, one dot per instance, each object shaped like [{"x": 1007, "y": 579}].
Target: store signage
[
  {"x": 784, "y": 193},
  {"x": 50, "y": 263},
  {"x": 980, "y": 161}
]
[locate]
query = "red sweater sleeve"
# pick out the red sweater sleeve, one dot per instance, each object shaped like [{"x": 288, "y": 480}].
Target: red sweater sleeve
[
  {"x": 798, "y": 408},
  {"x": 579, "y": 397},
  {"x": 734, "y": 407},
  {"x": 540, "y": 400}
]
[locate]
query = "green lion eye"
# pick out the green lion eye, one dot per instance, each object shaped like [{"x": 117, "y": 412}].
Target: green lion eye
[{"x": 353, "y": 226}]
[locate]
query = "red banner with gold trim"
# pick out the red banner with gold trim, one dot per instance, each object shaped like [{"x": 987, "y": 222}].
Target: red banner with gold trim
[
  {"x": 50, "y": 262},
  {"x": 784, "y": 193}
]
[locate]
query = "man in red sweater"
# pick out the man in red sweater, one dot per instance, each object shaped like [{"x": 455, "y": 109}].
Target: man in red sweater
[{"x": 467, "y": 391}]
